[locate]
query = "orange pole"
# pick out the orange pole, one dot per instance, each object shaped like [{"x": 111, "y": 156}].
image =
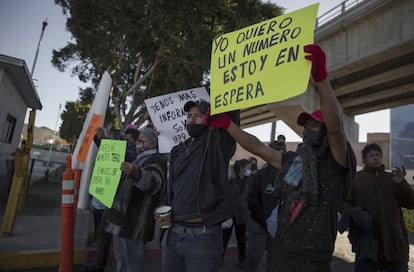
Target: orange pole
[
  {"x": 66, "y": 257},
  {"x": 78, "y": 174}
]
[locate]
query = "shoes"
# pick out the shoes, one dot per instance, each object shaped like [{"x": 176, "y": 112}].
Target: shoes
[
  {"x": 93, "y": 268},
  {"x": 241, "y": 264}
]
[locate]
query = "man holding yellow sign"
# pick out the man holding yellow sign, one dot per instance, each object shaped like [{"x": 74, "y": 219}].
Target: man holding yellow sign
[{"x": 311, "y": 182}]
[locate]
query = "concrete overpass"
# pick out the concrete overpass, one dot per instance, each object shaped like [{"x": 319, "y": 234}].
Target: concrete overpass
[{"x": 370, "y": 61}]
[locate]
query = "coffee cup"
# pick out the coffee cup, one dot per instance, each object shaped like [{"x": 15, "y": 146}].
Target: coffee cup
[{"x": 164, "y": 215}]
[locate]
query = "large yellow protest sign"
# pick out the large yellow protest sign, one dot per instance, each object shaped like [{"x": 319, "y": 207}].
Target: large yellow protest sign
[
  {"x": 107, "y": 170},
  {"x": 262, "y": 63}
]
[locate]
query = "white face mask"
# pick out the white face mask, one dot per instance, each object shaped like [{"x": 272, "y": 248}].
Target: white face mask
[{"x": 247, "y": 172}]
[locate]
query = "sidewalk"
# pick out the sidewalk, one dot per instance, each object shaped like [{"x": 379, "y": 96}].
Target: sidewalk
[
  {"x": 35, "y": 244},
  {"x": 36, "y": 241}
]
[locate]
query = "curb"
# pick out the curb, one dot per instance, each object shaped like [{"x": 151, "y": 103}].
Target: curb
[{"x": 36, "y": 259}]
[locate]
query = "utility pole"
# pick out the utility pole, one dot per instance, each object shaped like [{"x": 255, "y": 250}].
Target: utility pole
[
  {"x": 273, "y": 131},
  {"x": 44, "y": 25}
]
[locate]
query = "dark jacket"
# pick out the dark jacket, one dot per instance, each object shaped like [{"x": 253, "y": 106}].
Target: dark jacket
[
  {"x": 307, "y": 229},
  {"x": 261, "y": 199},
  {"x": 214, "y": 191},
  {"x": 132, "y": 213},
  {"x": 361, "y": 233},
  {"x": 375, "y": 191},
  {"x": 240, "y": 191}
]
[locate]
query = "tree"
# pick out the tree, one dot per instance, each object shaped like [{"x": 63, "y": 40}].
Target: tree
[
  {"x": 73, "y": 117},
  {"x": 150, "y": 47}
]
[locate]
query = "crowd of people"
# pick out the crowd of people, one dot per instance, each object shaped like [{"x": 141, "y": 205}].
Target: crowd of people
[{"x": 288, "y": 208}]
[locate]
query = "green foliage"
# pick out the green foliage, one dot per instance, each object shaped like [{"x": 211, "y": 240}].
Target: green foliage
[
  {"x": 73, "y": 117},
  {"x": 149, "y": 47}
]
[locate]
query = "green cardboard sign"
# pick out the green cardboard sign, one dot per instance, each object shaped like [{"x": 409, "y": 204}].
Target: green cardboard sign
[{"x": 106, "y": 172}]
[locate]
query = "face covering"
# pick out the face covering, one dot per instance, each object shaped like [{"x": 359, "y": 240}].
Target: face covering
[
  {"x": 196, "y": 130},
  {"x": 247, "y": 172},
  {"x": 310, "y": 137},
  {"x": 144, "y": 146}
]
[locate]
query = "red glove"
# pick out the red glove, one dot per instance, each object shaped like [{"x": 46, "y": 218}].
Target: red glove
[
  {"x": 318, "y": 58},
  {"x": 221, "y": 120}
]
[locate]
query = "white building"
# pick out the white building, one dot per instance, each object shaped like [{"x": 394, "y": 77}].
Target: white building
[{"x": 17, "y": 94}]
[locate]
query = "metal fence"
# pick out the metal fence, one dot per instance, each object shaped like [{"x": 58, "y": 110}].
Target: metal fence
[
  {"x": 43, "y": 155},
  {"x": 336, "y": 11}
]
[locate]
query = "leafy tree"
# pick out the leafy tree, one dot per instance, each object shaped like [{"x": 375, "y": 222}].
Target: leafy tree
[
  {"x": 73, "y": 117},
  {"x": 150, "y": 47},
  {"x": 75, "y": 114}
]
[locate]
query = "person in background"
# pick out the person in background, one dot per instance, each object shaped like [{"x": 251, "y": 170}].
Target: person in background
[
  {"x": 240, "y": 184},
  {"x": 131, "y": 136},
  {"x": 382, "y": 194},
  {"x": 281, "y": 141},
  {"x": 199, "y": 192},
  {"x": 312, "y": 181},
  {"x": 130, "y": 218},
  {"x": 261, "y": 201},
  {"x": 103, "y": 239},
  {"x": 252, "y": 165}
]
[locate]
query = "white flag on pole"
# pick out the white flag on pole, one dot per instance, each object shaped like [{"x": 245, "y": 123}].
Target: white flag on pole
[{"x": 85, "y": 151}]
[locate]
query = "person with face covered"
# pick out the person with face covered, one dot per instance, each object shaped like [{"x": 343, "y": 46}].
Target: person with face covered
[
  {"x": 199, "y": 192},
  {"x": 311, "y": 182},
  {"x": 130, "y": 218},
  {"x": 240, "y": 184}
]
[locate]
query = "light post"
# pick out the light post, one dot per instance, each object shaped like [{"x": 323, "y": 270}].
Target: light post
[
  {"x": 44, "y": 24},
  {"x": 54, "y": 136}
]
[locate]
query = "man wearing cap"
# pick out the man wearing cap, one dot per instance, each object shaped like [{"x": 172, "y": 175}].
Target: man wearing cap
[
  {"x": 311, "y": 182},
  {"x": 199, "y": 193},
  {"x": 130, "y": 218}
]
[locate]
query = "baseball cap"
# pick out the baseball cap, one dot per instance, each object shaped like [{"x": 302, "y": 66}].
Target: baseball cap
[
  {"x": 304, "y": 116},
  {"x": 201, "y": 104}
]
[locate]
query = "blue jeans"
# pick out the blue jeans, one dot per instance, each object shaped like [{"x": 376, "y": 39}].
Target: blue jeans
[
  {"x": 192, "y": 249},
  {"x": 129, "y": 254}
]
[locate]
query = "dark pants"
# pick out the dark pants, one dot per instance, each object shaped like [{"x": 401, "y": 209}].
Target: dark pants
[
  {"x": 295, "y": 264},
  {"x": 102, "y": 238},
  {"x": 366, "y": 265},
  {"x": 240, "y": 231},
  {"x": 259, "y": 242}
]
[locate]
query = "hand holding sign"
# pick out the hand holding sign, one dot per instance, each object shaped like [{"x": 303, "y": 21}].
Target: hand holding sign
[
  {"x": 221, "y": 120},
  {"x": 262, "y": 63},
  {"x": 318, "y": 59},
  {"x": 131, "y": 169},
  {"x": 106, "y": 175}
]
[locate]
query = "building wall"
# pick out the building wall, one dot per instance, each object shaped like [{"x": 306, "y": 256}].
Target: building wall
[{"x": 15, "y": 106}]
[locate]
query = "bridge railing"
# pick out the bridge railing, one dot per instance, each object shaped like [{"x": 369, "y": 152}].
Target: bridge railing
[{"x": 336, "y": 11}]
